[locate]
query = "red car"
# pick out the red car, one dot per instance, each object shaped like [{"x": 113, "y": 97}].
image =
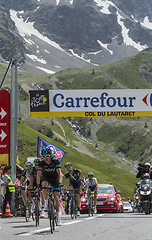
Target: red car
[{"x": 107, "y": 199}]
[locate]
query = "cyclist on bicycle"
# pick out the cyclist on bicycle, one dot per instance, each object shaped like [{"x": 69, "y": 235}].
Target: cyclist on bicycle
[
  {"x": 26, "y": 175},
  {"x": 50, "y": 169},
  {"x": 33, "y": 183},
  {"x": 92, "y": 185},
  {"x": 74, "y": 176}
]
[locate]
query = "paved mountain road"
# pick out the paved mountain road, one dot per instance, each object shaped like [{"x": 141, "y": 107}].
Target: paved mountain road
[{"x": 99, "y": 227}]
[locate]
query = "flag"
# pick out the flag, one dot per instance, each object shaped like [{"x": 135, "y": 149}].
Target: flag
[
  {"x": 57, "y": 152},
  {"x": 83, "y": 181},
  {"x": 17, "y": 160}
]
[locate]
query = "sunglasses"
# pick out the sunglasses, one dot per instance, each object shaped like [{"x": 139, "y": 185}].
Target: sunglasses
[
  {"x": 90, "y": 176},
  {"x": 28, "y": 166},
  {"x": 68, "y": 166},
  {"x": 46, "y": 156}
]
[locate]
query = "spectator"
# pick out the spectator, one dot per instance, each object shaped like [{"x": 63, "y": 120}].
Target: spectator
[
  {"x": 1, "y": 191},
  {"x": 9, "y": 188}
]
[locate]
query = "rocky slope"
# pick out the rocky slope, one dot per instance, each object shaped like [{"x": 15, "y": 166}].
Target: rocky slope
[{"x": 60, "y": 34}]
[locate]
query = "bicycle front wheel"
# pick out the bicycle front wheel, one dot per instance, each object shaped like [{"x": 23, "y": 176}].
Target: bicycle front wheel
[
  {"x": 92, "y": 205},
  {"x": 37, "y": 212},
  {"x": 72, "y": 207},
  {"x": 27, "y": 213},
  {"x": 51, "y": 215}
]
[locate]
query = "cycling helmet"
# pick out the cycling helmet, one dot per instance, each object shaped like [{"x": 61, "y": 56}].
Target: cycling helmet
[
  {"x": 147, "y": 164},
  {"x": 90, "y": 174},
  {"x": 37, "y": 160},
  {"x": 46, "y": 150},
  {"x": 28, "y": 164},
  {"x": 146, "y": 175},
  {"x": 68, "y": 164}
]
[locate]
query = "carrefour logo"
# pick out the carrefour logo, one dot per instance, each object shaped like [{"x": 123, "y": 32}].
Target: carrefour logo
[
  {"x": 101, "y": 101},
  {"x": 148, "y": 100}
]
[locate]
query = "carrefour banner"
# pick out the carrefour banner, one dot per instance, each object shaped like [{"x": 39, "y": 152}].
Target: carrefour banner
[
  {"x": 91, "y": 103},
  {"x": 58, "y": 152}
]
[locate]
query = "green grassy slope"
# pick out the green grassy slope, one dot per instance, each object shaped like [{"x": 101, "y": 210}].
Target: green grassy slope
[{"x": 103, "y": 170}]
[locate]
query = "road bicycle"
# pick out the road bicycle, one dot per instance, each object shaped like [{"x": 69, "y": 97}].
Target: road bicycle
[
  {"x": 20, "y": 205},
  {"x": 73, "y": 204},
  {"x": 33, "y": 207}
]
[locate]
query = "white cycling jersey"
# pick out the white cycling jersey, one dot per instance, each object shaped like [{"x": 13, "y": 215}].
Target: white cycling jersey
[{"x": 91, "y": 183}]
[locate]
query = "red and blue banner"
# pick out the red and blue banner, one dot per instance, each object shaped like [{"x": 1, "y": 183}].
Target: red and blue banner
[{"x": 57, "y": 152}]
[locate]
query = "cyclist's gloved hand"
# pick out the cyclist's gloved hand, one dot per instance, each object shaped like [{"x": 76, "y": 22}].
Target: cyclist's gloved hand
[
  {"x": 32, "y": 194},
  {"x": 60, "y": 185}
]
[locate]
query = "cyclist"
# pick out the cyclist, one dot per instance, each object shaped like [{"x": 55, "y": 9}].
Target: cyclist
[
  {"x": 74, "y": 176},
  {"x": 26, "y": 174},
  {"x": 92, "y": 185},
  {"x": 33, "y": 183},
  {"x": 50, "y": 169}
]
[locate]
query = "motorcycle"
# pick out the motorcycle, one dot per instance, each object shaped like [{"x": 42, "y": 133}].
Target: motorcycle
[{"x": 145, "y": 192}]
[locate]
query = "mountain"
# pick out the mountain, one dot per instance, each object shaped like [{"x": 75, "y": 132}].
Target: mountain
[
  {"x": 60, "y": 34},
  {"x": 127, "y": 138}
]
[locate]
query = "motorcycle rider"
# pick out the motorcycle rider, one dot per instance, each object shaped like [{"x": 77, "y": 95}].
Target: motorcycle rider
[{"x": 142, "y": 169}]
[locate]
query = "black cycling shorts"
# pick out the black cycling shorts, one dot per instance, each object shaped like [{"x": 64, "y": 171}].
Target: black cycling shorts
[
  {"x": 53, "y": 181},
  {"x": 75, "y": 187},
  {"x": 92, "y": 188}
]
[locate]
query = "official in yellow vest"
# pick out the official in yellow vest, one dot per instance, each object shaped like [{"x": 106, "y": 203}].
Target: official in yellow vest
[{"x": 8, "y": 188}]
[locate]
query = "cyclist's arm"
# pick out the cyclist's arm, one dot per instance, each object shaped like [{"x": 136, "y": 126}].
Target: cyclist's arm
[
  {"x": 38, "y": 176},
  {"x": 66, "y": 183},
  {"x": 96, "y": 187},
  {"x": 80, "y": 172},
  {"x": 21, "y": 180},
  {"x": 60, "y": 175},
  {"x": 31, "y": 182}
]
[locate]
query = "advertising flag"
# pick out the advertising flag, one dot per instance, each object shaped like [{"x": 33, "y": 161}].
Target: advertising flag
[{"x": 57, "y": 152}]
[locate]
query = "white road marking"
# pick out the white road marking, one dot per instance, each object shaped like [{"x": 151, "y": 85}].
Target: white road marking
[
  {"x": 73, "y": 222},
  {"x": 89, "y": 218},
  {"x": 36, "y": 231},
  {"x": 63, "y": 224}
]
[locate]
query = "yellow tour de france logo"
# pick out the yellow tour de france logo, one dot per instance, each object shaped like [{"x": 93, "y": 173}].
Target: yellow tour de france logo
[{"x": 44, "y": 99}]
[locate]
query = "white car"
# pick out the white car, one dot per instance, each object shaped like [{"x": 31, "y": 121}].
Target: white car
[{"x": 127, "y": 207}]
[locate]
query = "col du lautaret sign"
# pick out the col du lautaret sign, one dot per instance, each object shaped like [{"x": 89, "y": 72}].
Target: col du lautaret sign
[{"x": 91, "y": 103}]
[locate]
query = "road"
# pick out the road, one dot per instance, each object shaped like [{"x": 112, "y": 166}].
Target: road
[{"x": 126, "y": 226}]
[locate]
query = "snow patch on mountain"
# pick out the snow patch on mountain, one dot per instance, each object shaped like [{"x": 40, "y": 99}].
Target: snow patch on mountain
[
  {"x": 127, "y": 40},
  {"x": 81, "y": 57},
  {"x": 35, "y": 58},
  {"x": 27, "y": 29},
  {"x": 45, "y": 70},
  {"x": 104, "y": 5},
  {"x": 146, "y": 23},
  {"x": 105, "y": 46}
]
